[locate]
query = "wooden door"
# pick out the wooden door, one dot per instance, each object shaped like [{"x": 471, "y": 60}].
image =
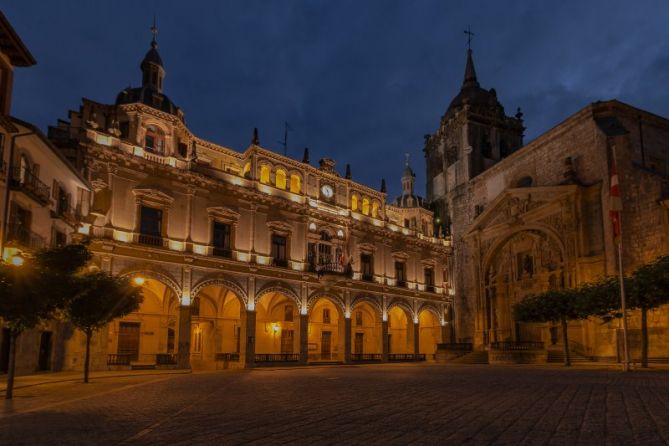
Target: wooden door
[
  {"x": 128, "y": 339},
  {"x": 326, "y": 339},
  {"x": 287, "y": 341},
  {"x": 359, "y": 337}
]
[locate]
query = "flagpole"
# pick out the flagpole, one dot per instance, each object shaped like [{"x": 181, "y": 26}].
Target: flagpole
[
  {"x": 626, "y": 358},
  {"x": 621, "y": 280}
]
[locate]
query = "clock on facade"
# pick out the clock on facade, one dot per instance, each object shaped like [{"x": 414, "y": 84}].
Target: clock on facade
[{"x": 327, "y": 191}]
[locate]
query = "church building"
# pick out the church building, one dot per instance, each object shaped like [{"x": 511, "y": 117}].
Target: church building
[{"x": 533, "y": 217}]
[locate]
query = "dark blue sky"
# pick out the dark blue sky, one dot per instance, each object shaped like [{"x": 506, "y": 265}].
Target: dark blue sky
[{"x": 359, "y": 81}]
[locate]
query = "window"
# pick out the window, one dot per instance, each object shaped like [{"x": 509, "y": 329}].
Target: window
[
  {"x": 429, "y": 279},
  {"x": 295, "y": 186},
  {"x": 264, "y": 174},
  {"x": 280, "y": 179},
  {"x": 288, "y": 313},
  {"x": 150, "y": 226},
  {"x": 278, "y": 253},
  {"x": 366, "y": 265},
  {"x": 354, "y": 203},
  {"x": 124, "y": 127},
  {"x": 375, "y": 209},
  {"x": 247, "y": 170},
  {"x": 59, "y": 239},
  {"x": 197, "y": 339},
  {"x": 365, "y": 206},
  {"x": 358, "y": 318},
  {"x": 183, "y": 149},
  {"x": 326, "y": 315},
  {"x": 400, "y": 274},
  {"x": 154, "y": 140},
  {"x": 221, "y": 239}
]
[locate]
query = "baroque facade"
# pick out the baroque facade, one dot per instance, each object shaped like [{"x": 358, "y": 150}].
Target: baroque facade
[
  {"x": 247, "y": 257},
  {"x": 525, "y": 219}
]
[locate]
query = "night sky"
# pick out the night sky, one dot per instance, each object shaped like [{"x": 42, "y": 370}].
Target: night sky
[{"x": 358, "y": 81}]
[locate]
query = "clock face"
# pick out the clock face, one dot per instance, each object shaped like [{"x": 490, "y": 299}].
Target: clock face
[{"x": 327, "y": 191}]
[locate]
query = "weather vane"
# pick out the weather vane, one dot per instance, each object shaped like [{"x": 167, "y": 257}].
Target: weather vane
[
  {"x": 470, "y": 35},
  {"x": 154, "y": 30}
]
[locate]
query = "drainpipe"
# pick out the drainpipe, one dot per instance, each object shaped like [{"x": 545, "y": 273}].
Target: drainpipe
[{"x": 10, "y": 168}]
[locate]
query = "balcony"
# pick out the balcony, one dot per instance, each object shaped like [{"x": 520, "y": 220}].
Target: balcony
[
  {"x": 27, "y": 182},
  {"x": 67, "y": 213},
  {"x": 151, "y": 240},
  {"x": 429, "y": 288},
  {"x": 222, "y": 252},
  {"x": 401, "y": 283},
  {"x": 331, "y": 268},
  {"x": 368, "y": 277},
  {"x": 24, "y": 237},
  {"x": 227, "y": 357},
  {"x": 281, "y": 263}
]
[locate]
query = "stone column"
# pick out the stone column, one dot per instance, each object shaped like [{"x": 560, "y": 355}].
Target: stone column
[
  {"x": 183, "y": 349},
  {"x": 347, "y": 340},
  {"x": 416, "y": 338},
  {"x": 304, "y": 339},
  {"x": 384, "y": 339},
  {"x": 250, "y": 358}
]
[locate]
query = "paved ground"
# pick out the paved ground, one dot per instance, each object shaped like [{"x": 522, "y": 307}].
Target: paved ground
[{"x": 390, "y": 404}]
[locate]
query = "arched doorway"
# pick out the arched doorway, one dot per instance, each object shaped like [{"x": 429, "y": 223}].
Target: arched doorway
[
  {"x": 528, "y": 262},
  {"x": 366, "y": 332},
  {"x": 152, "y": 330},
  {"x": 277, "y": 325},
  {"x": 429, "y": 333},
  {"x": 400, "y": 331},
  {"x": 217, "y": 327},
  {"x": 326, "y": 331}
]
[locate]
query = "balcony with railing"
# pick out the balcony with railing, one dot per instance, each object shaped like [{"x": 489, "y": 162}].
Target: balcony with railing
[
  {"x": 149, "y": 239},
  {"x": 66, "y": 212},
  {"x": 26, "y": 181},
  {"x": 22, "y": 235},
  {"x": 330, "y": 267},
  {"x": 221, "y": 252}
]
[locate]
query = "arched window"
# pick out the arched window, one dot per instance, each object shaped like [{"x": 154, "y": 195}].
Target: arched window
[
  {"x": 154, "y": 140},
  {"x": 365, "y": 206},
  {"x": 280, "y": 179},
  {"x": 354, "y": 202},
  {"x": 375, "y": 209},
  {"x": 264, "y": 174},
  {"x": 295, "y": 186}
]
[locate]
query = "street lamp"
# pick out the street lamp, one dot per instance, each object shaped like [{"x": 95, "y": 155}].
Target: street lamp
[
  {"x": 17, "y": 260},
  {"x": 139, "y": 281}
]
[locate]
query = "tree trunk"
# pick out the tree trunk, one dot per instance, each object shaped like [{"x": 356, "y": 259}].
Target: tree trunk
[
  {"x": 87, "y": 359},
  {"x": 11, "y": 367},
  {"x": 644, "y": 337},
  {"x": 565, "y": 341}
]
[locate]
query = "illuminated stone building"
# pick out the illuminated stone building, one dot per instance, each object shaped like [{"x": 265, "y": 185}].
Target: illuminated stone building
[
  {"x": 43, "y": 199},
  {"x": 525, "y": 219},
  {"x": 247, "y": 257}
]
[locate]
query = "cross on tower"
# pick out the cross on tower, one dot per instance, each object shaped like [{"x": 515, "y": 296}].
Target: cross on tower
[
  {"x": 470, "y": 35},
  {"x": 154, "y": 31}
]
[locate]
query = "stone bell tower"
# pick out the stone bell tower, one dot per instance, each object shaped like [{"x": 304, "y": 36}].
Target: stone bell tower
[{"x": 473, "y": 135}]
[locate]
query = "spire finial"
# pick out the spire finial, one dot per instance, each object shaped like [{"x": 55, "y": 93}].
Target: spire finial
[
  {"x": 470, "y": 36},
  {"x": 256, "y": 139},
  {"x": 348, "y": 172},
  {"x": 154, "y": 31},
  {"x": 406, "y": 162}
]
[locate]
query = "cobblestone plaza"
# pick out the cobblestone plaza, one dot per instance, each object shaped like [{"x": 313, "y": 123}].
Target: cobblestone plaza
[{"x": 379, "y": 404}]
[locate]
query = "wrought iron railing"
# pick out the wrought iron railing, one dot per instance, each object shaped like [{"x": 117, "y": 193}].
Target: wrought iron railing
[
  {"x": 222, "y": 252},
  {"x": 401, "y": 283},
  {"x": 166, "y": 359},
  {"x": 277, "y": 357},
  {"x": 429, "y": 288},
  {"x": 363, "y": 357},
  {"x": 515, "y": 346},
  {"x": 282, "y": 263},
  {"x": 456, "y": 346},
  {"x": 147, "y": 239},
  {"x": 368, "y": 277},
  {"x": 227, "y": 357},
  {"x": 26, "y": 181},
  {"x": 116, "y": 359},
  {"x": 67, "y": 212},
  {"x": 404, "y": 357},
  {"x": 22, "y": 235}
]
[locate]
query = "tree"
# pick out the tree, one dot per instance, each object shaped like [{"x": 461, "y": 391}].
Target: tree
[
  {"x": 99, "y": 299},
  {"x": 552, "y": 306},
  {"x": 648, "y": 289},
  {"x": 35, "y": 292}
]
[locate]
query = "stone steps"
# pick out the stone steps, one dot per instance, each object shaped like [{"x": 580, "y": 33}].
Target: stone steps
[{"x": 475, "y": 357}]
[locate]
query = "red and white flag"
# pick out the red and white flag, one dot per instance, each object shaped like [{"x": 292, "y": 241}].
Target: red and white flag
[{"x": 615, "y": 204}]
